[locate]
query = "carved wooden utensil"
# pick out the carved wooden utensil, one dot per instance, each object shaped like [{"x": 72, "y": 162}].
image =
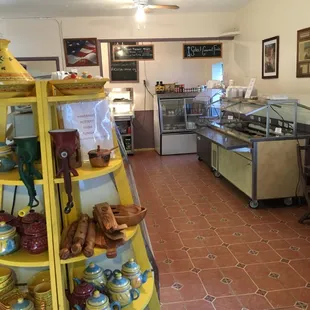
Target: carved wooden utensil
[{"x": 130, "y": 215}]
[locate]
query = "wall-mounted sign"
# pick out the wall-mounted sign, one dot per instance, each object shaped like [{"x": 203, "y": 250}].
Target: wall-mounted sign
[
  {"x": 133, "y": 52},
  {"x": 207, "y": 50}
]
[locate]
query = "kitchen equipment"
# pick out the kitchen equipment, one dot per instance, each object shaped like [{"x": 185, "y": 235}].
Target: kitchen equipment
[
  {"x": 9, "y": 239},
  {"x": 80, "y": 294},
  {"x": 34, "y": 238},
  {"x": 96, "y": 275},
  {"x": 23, "y": 304},
  {"x": 132, "y": 271},
  {"x": 130, "y": 215},
  {"x": 100, "y": 157},
  {"x": 99, "y": 302},
  {"x": 121, "y": 290},
  {"x": 27, "y": 152},
  {"x": 38, "y": 278},
  {"x": 43, "y": 296},
  {"x": 65, "y": 145}
]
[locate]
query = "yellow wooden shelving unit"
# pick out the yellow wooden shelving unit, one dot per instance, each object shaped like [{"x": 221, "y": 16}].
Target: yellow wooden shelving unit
[
  {"x": 65, "y": 270},
  {"x": 21, "y": 258}
]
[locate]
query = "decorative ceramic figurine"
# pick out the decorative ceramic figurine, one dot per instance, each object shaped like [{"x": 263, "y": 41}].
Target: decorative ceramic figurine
[
  {"x": 99, "y": 302},
  {"x": 34, "y": 238},
  {"x": 9, "y": 239},
  {"x": 96, "y": 275},
  {"x": 6, "y": 158},
  {"x": 65, "y": 141},
  {"x": 131, "y": 270},
  {"x": 80, "y": 294},
  {"x": 10, "y": 68},
  {"x": 27, "y": 150},
  {"x": 121, "y": 290},
  {"x": 23, "y": 304}
]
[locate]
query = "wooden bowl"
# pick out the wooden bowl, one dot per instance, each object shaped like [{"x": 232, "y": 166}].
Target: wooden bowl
[{"x": 130, "y": 215}]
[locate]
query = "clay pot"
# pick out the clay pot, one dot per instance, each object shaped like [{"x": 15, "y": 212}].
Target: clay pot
[
  {"x": 11, "y": 220},
  {"x": 30, "y": 218},
  {"x": 100, "y": 157},
  {"x": 34, "y": 238}
]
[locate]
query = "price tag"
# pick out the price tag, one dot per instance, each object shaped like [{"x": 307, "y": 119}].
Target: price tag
[
  {"x": 278, "y": 130},
  {"x": 230, "y": 117}
]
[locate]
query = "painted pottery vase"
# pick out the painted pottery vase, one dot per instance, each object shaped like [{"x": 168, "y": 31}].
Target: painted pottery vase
[
  {"x": 120, "y": 290},
  {"x": 99, "y": 302},
  {"x": 132, "y": 271},
  {"x": 10, "y": 68},
  {"x": 9, "y": 239},
  {"x": 23, "y": 304}
]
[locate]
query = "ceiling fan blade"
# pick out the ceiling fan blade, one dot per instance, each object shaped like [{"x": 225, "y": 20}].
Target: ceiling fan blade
[{"x": 163, "y": 6}]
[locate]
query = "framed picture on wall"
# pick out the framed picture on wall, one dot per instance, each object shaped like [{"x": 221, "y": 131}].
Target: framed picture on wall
[
  {"x": 81, "y": 52},
  {"x": 303, "y": 53},
  {"x": 270, "y": 58}
]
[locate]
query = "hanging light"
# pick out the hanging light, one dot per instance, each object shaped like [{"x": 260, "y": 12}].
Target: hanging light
[{"x": 140, "y": 14}]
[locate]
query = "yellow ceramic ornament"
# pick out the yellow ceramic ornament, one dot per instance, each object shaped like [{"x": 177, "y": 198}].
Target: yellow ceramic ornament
[{"x": 10, "y": 68}]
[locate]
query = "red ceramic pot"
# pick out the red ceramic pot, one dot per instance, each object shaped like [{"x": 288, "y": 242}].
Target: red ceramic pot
[
  {"x": 11, "y": 220},
  {"x": 30, "y": 218},
  {"x": 34, "y": 238},
  {"x": 80, "y": 294}
]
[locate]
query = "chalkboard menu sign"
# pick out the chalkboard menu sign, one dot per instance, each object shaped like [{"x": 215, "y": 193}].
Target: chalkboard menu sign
[
  {"x": 133, "y": 52},
  {"x": 207, "y": 50},
  {"x": 126, "y": 71}
]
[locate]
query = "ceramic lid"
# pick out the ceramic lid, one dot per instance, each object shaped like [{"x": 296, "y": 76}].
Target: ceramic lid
[
  {"x": 119, "y": 283},
  {"x": 32, "y": 216},
  {"x": 22, "y": 304},
  {"x": 83, "y": 289},
  {"x": 6, "y": 217},
  {"x": 131, "y": 267},
  {"x": 98, "y": 300},
  {"x": 6, "y": 230},
  {"x": 37, "y": 228},
  {"x": 99, "y": 151},
  {"x": 92, "y": 270}
]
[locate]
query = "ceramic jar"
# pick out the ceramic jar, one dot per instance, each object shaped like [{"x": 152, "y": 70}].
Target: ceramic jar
[
  {"x": 80, "y": 294},
  {"x": 6, "y": 158},
  {"x": 9, "y": 239},
  {"x": 96, "y": 275},
  {"x": 132, "y": 271},
  {"x": 34, "y": 238},
  {"x": 10, "y": 219},
  {"x": 100, "y": 302},
  {"x": 23, "y": 304},
  {"x": 100, "y": 157},
  {"x": 120, "y": 290},
  {"x": 30, "y": 218}
]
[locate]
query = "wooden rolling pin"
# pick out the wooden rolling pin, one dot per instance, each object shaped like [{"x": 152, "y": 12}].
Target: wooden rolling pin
[
  {"x": 88, "y": 250},
  {"x": 80, "y": 235},
  {"x": 65, "y": 252}
]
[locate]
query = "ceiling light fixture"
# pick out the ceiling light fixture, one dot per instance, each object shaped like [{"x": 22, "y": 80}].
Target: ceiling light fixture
[{"x": 140, "y": 14}]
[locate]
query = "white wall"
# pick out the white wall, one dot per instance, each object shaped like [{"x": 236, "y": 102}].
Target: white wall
[
  {"x": 262, "y": 19},
  {"x": 169, "y": 67}
]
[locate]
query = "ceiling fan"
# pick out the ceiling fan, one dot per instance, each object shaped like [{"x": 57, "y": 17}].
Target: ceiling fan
[{"x": 144, "y": 7}]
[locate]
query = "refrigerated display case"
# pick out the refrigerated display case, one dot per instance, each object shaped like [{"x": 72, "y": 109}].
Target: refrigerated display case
[{"x": 174, "y": 123}]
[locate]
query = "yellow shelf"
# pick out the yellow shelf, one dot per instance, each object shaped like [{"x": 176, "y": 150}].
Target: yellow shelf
[
  {"x": 22, "y": 258},
  {"x": 129, "y": 232},
  {"x": 18, "y": 101},
  {"x": 146, "y": 292},
  {"x": 78, "y": 98},
  {"x": 12, "y": 178},
  {"x": 88, "y": 172}
]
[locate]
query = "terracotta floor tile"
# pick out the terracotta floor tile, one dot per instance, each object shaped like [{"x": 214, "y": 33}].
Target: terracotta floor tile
[
  {"x": 291, "y": 248},
  {"x": 274, "y": 231},
  {"x": 198, "y": 252},
  {"x": 175, "y": 211},
  {"x": 222, "y": 256},
  {"x": 224, "y": 220},
  {"x": 257, "y": 217},
  {"x": 197, "y": 305},
  {"x": 191, "y": 210},
  {"x": 200, "y": 238},
  {"x": 254, "y": 302},
  {"x": 204, "y": 263},
  {"x": 198, "y": 198},
  {"x": 211, "y": 280},
  {"x": 240, "y": 234},
  {"x": 190, "y": 223},
  {"x": 253, "y": 253},
  {"x": 302, "y": 266},
  {"x": 192, "y": 287},
  {"x": 169, "y": 294},
  {"x": 177, "y": 254},
  {"x": 227, "y": 303},
  {"x": 173, "y": 306},
  {"x": 166, "y": 280}
]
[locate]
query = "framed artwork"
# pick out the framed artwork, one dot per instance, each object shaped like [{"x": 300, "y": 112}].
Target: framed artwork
[
  {"x": 303, "y": 53},
  {"x": 81, "y": 52},
  {"x": 270, "y": 58}
]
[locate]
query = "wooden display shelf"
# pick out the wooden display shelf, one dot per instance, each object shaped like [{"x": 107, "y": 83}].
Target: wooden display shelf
[
  {"x": 146, "y": 292},
  {"x": 129, "y": 232},
  {"x": 12, "y": 178},
  {"x": 22, "y": 258},
  {"x": 18, "y": 101},
  {"x": 88, "y": 172},
  {"x": 78, "y": 98}
]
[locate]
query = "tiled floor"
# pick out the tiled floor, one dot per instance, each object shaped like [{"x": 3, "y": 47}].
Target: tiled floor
[{"x": 212, "y": 250}]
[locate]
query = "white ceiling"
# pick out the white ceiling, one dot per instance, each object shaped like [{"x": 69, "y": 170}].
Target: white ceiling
[{"x": 73, "y": 8}]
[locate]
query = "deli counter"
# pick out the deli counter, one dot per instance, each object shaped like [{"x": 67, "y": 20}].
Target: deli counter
[{"x": 253, "y": 144}]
